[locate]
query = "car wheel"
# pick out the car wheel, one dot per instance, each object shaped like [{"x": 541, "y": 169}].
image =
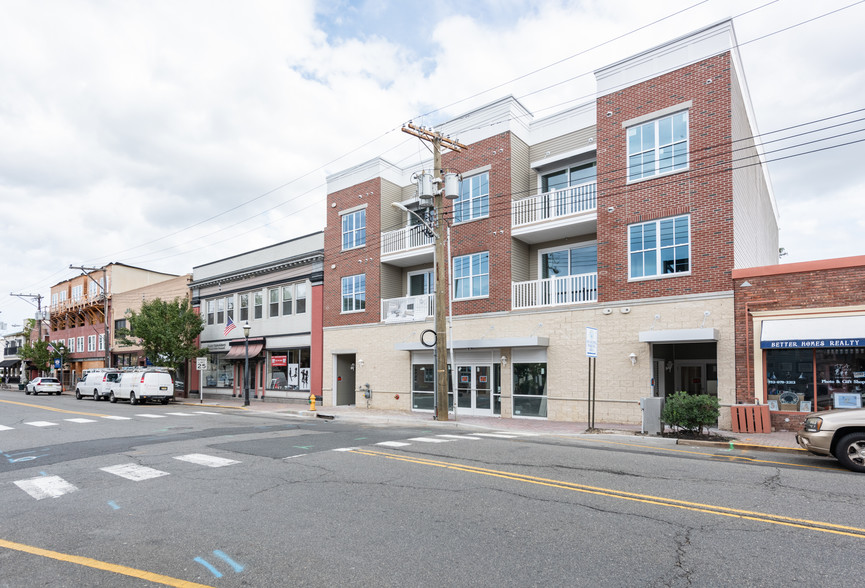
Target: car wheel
[
  {"x": 78, "y": 395},
  {"x": 96, "y": 397},
  {"x": 27, "y": 392},
  {"x": 132, "y": 399},
  {"x": 112, "y": 397},
  {"x": 165, "y": 401},
  {"x": 850, "y": 452}
]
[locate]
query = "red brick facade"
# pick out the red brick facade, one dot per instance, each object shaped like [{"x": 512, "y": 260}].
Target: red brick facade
[{"x": 704, "y": 190}]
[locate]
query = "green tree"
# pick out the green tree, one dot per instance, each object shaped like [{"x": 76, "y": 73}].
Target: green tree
[
  {"x": 37, "y": 351},
  {"x": 165, "y": 330}
]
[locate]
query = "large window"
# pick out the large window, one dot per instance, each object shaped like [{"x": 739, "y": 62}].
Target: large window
[
  {"x": 300, "y": 302},
  {"x": 472, "y": 275},
  {"x": 530, "y": 389},
  {"x": 91, "y": 343},
  {"x": 573, "y": 176},
  {"x": 287, "y": 297},
  {"x": 354, "y": 229},
  {"x": 219, "y": 372},
  {"x": 354, "y": 293},
  {"x": 273, "y": 293},
  {"x": 289, "y": 370},
  {"x": 474, "y": 198},
  {"x": 258, "y": 305},
  {"x": 571, "y": 261},
  {"x": 220, "y": 310},
  {"x": 660, "y": 247},
  {"x": 658, "y": 147},
  {"x": 211, "y": 311},
  {"x": 244, "y": 307}
]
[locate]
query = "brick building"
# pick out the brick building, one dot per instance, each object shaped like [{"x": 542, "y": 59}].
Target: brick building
[
  {"x": 805, "y": 352},
  {"x": 627, "y": 214}
]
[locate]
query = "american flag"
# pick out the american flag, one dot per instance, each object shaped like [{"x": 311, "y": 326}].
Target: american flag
[
  {"x": 51, "y": 348},
  {"x": 229, "y": 326}
]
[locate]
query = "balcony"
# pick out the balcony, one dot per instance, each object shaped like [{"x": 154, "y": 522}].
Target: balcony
[
  {"x": 408, "y": 308},
  {"x": 75, "y": 304},
  {"x": 407, "y": 246},
  {"x": 567, "y": 212},
  {"x": 578, "y": 289}
]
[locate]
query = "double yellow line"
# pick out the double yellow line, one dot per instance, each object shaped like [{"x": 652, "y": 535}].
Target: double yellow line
[{"x": 712, "y": 509}]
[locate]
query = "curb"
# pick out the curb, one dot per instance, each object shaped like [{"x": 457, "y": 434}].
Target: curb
[{"x": 740, "y": 446}]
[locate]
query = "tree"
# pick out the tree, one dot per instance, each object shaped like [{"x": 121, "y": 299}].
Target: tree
[
  {"x": 37, "y": 351},
  {"x": 165, "y": 330}
]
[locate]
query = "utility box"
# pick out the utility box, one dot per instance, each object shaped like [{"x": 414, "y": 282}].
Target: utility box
[{"x": 652, "y": 409}]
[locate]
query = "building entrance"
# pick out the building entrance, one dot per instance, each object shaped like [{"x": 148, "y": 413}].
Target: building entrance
[{"x": 474, "y": 389}]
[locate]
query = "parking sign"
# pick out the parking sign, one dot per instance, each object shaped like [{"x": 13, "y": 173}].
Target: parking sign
[{"x": 591, "y": 342}]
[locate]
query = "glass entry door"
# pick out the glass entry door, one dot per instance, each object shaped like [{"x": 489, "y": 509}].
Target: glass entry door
[{"x": 474, "y": 389}]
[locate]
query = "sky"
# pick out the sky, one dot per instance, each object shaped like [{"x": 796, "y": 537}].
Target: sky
[{"x": 166, "y": 135}]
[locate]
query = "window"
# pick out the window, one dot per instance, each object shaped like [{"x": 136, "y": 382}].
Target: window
[
  {"x": 474, "y": 199},
  {"x": 211, "y": 311},
  {"x": 54, "y": 299},
  {"x": 244, "y": 307},
  {"x": 287, "y": 300},
  {"x": 472, "y": 275},
  {"x": 273, "y": 295},
  {"x": 354, "y": 229},
  {"x": 91, "y": 343},
  {"x": 77, "y": 292},
  {"x": 659, "y": 247},
  {"x": 71, "y": 345},
  {"x": 354, "y": 293},
  {"x": 301, "y": 298},
  {"x": 220, "y": 310},
  {"x": 530, "y": 389},
  {"x": 102, "y": 342},
  {"x": 289, "y": 370},
  {"x": 119, "y": 324},
  {"x": 421, "y": 282},
  {"x": 569, "y": 262},
  {"x": 258, "y": 303},
  {"x": 229, "y": 308},
  {"x": 574, "y": 176},
  {"x": 658, "y": 147},
  {"x": 80, "y": 344}
]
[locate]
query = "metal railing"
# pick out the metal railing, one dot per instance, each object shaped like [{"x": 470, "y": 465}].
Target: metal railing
[
  {"x": 555, "y": 204},
  {"x": 404, "y": 239},
  {"x": 578, "y": 289},
  {"x": 408, "y": 308}
]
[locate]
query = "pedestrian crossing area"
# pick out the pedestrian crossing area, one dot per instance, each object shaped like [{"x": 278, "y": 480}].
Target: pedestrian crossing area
[
  {"x": 445, "y": 438},
  {"x": 96, "y": 419}
]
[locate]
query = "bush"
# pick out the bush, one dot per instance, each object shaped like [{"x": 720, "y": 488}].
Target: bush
[{"x": 691, "y": 412}]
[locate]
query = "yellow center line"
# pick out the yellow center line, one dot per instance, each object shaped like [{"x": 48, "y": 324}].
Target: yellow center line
[
  {"x": 631, "y": 496},
  {"x": 102, "y": 565},
  {"x": 93, "y": 414}
]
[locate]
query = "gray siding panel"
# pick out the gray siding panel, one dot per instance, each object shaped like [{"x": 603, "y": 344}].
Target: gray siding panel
[{"x": 563, "y": 144}]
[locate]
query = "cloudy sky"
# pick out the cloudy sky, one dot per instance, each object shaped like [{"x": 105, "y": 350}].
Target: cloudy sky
[{"x": 169, "y": 134}]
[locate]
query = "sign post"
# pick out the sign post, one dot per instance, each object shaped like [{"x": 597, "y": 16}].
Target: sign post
[
  {"x": 592, "y": 354},
  {"x": 200, "y": 365}
]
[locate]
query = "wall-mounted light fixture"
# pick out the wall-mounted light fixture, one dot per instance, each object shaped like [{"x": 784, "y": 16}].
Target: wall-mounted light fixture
[
  {"x": 633, "y": 358},
  {"x": 504, "y": 361}
]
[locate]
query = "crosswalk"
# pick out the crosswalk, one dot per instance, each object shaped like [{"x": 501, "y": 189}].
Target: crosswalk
[
  {"x": 445, "y": 438},
  {"x": 82, "y": 421}
]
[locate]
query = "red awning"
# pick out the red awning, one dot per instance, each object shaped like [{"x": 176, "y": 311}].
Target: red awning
[{"x": 239, "y": 351}]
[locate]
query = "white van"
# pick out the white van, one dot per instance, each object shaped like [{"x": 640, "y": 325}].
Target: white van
[
  {"x": 143, "y": 385},
  {"x": 96, "y": 383}
]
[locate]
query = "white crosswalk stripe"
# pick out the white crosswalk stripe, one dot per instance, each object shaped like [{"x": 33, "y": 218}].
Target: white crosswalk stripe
[
  {"x": 134, "y": 472},
  {"x": 46, "y": 487},
  {"x": 80, "y": 420},
  {"x": 429, "y": 440},
  {"x": 41, "y": 424},
  {"x": 180, "y": 413},
  {"x": 206, "y": 412},
  {"x": 393, "y": 443},
  {"x": 469, "y": 437},
  {"x": 496, "y": 435},
  {"x": 210, "y": 461},
  {"x": 5, "y": 428},
  {"x": 116, "y": 418},
  {"x": 151, "y": 416}
]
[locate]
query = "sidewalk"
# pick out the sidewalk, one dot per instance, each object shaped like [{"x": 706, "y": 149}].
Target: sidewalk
[{"x": 779, "y": 441}]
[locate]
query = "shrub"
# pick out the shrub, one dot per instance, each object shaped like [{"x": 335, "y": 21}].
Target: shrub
[{"x": 691, "y": 412}]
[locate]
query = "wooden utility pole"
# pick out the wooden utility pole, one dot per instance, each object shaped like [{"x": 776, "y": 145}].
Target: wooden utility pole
[{"x": 440, "y": 262}]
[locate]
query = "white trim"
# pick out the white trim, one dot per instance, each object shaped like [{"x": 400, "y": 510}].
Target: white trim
[
  {"x": 639, "y": 120},
  {"x": 657, "y": 222},
  {"x": 704, "y": 335},
  {"x": 562, "y": 156},
  {"x": 476, "y": 171},
  {"x": 353, "y": 209},
  {"x": 578, "y": 245},
  {"x": 408, "y": 276}
]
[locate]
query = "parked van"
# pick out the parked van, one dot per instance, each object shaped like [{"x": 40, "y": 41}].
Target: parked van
[
  {"x": 143, "y": 385},
  {"x": 96, "y": 383}
]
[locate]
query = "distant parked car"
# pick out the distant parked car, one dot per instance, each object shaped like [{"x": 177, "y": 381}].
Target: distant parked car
[
  {"x": 47, "y": 385},
  {"x": 839, "y": 433}
]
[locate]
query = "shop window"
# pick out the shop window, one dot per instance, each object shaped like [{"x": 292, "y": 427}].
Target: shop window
[
  {"x": 289, "y": 370},
  {"x": 840, "y": 377},
  {"x": 530, "y": 389},
  {"x": 790, "y": 379},
  {"x": 219, "y": 372}
]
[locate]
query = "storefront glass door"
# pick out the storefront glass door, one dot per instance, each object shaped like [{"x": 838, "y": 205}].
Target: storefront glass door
[{"x": 474, "y": 389}]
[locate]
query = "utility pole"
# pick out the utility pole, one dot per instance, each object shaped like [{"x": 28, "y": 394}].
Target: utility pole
[
  {"x": 104, "y": 286},
  {"x": 441, "y": 279},
  {"x": 38, "y": 299}
]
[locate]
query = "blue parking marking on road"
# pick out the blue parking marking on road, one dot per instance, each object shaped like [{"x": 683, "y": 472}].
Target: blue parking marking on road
[
  {"x": 224, "y": 557},
  {"x": 206, "y": 564},
  {"x": 113, "y": 505}
]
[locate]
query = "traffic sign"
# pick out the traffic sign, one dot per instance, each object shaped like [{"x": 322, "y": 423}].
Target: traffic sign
[{"x": 201, "y": 363}]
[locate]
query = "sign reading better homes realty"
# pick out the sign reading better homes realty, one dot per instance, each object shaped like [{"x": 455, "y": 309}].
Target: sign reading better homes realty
[{"x": 810, "y": 333}]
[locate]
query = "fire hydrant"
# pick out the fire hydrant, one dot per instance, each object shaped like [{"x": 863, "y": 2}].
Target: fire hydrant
[{"x": 312, "y": 402}]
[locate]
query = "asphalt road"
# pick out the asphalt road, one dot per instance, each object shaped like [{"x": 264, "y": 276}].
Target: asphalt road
[{"x": 184, "y": 496}]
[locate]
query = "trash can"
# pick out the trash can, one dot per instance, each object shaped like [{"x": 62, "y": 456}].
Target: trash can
[{"x": 652, "y": 408}]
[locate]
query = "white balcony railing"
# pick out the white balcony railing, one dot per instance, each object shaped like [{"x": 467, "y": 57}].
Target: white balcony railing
[
  {"x": 576, "y": 289},
  {"x": 555, "y": 204},
  {"x": 408, "y": 308},
  {"x": 404, "y": 239}
]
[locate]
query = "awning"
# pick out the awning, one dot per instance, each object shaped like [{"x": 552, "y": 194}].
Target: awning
[
  {"x": 705, "y": 335},
  {"x": 805, "y": 333},
  {"x": 239, "y": 351},
  {"x": 9, "y": 363}
]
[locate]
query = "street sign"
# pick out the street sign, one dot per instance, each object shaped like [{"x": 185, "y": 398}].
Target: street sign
[
  {"x": 591, "y": 342},
  {"x": 201, "y": 363}
]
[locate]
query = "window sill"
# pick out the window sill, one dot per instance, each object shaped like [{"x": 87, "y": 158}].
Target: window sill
[
  {"x": 352, "y": 311},
  {"x": 471, "y": 220},
  {"x": 660, "y": 277},
  {"x": 655, "y": 177},
  {"x": 471, "y": 298},
  {"x": 355, "y": 247}
]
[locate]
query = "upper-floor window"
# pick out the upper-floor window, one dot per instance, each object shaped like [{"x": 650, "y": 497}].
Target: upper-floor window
[
  {"x": 660, "y": 247},
  {"x": 220, "y": 310},
  {"x": 91, "y": 343},
  {"x": 474, "y": 199},
  {"x": 472, "y": 275},
  {"x": 54, "y": 299},
  {"x": 300, "y": 302},
  {"x": 287, "y": 300},
  {"x": 211, "y": 311},
  {"x": 569, "y": 261},
  {"x": 258, "y": 305},
  {"x": 78, "y": 292},
  {"x": 80, "y": 345},
  {"x": 354, "y": 229},
  {"x": 354, "y": 293},
  {"x": 658, "y": 147},
  {"x": 244, "y": 307},
  {"x": 71, "y": 345},
  {"x": 273, "y": 295},
  {"x": 421, "y": 282},
  {"x": 229, "y": 308},
  {"x": 572, "y": 176},
  {"x": 102, "y": 342}
]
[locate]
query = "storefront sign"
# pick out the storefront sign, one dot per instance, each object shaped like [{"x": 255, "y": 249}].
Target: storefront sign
[
  {"x": 812, "y": 343},
  {"x": 278, "y": 360}
]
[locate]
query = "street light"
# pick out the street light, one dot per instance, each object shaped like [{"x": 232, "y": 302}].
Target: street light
[{"x": 246, "y": 328}]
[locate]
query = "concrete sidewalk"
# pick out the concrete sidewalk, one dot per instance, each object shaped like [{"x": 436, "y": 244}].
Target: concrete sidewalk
[{"x": 779, "y": 441}]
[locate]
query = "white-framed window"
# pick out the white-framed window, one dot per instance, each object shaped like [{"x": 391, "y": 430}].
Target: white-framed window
[
  {"x": 287, "y": 300},
  {"x": 244, "y": 307},
  {"x": 273, "y": 302},
  {"x": 572, "y": 260},
  {"x": 102, "y": 342},
  {"x": 421, "y": 282},
  {"x": 659, "y": 247},
  {"x": 78, "y": 292},
  {"x": 575, "y": 175},
  {"x": 229, "y": 308},
  {"x": 54, "y": 299},
  {"x": 91, "y": 343},
  {"x": 354, "y": 293},
  {"x": 658, "y": 147},
  {"x": 220, "y": 310},
  {"x": 300, "y": 301},
  {"x": 472, "y": 275},
  {"x": 71, "y": 345},
  {"x": 211, "y": 311},
  {"x": 354, "y": 229},
  {"x": 258, "y": 305},
  {"x": 62, "y": 295},
  {"x": 474, "y": 199},
  {"x": 80, "y": 345}
]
